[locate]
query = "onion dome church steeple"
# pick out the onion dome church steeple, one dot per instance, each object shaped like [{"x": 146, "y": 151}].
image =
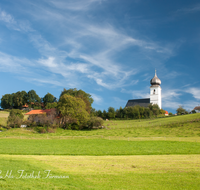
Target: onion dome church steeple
[
  {"x": 155, "y": 91},
  {"x": 155, "y": 80}
]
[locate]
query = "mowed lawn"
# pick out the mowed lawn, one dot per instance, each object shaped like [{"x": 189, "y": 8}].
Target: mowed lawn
[
  {"x": 95, "y": 147},
  {"x": 100, "y": 172}
]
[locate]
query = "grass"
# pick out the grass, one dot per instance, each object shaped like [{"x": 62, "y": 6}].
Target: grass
[
  {"x": 95, "y": 147},
  {"x": 107, "y": 172},
  {"x": 177, "y": 126},
  {"x": 161, "y": 153}
]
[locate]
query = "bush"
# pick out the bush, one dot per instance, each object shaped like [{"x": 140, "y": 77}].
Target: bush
[
  {"x": 15, "y": 119},
  {"x": 50, "y": 130},
  {"x": 40, "y": 129},
  {"x": 95, "y": 122}
]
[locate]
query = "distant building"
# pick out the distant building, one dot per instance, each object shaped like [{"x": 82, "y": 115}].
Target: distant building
[
  {"x": 155, "y": 95},
  {"x": 197, "y": 109}
]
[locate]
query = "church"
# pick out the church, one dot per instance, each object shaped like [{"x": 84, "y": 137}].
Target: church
[{"x": 155, "y": 95}]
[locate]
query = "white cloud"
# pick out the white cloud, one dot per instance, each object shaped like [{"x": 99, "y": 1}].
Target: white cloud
[
  {"x": 77, "y": 5},
  {"x": 195, "y": 92},
  {"x": 97, "y": 99},
  {"x": 22, "y": 25},
  {"x": 170, "y": 94},
  {"x": 192, "y": 9},
  {"x": 6, "y": 17},
  {"x": 73, "y": 55}
]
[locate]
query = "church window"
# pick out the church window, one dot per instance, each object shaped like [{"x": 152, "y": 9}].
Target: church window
[{"x": 154, "y": 91}]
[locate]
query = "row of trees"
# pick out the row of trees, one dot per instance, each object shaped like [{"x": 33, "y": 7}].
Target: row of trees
[
  {"x": 19, "y": 99},
  {"x": 136, "y": 112}
]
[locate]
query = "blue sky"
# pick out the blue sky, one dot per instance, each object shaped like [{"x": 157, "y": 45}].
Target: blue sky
[{"x": 108, "y": 48}]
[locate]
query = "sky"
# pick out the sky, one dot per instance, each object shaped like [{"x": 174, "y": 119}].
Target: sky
[{"x": 108, "y": 48}]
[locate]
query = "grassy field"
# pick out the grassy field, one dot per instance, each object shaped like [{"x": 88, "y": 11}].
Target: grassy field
[
  {"x": 96, "y": 147},
  {"x": 101, "y": 172},
  {"x": 162, "y": 153}
]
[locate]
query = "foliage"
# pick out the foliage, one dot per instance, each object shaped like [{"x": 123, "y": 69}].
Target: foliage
[
  {"x": 32, "y": 97},
  {"x": 51, "y": 105},
  {"x": 170, "y": 113},
  {"x": 111, "y": 113},
  {"x": 40, "y": 129},
  {"x": 80, "y": 94},
  {"x": 19, "y": 99},
  {"x": 95, "y": 122},
  {"x": 181, "y": 111},
  {"x": 7, "y": 101},
  {"x": 49, "y": 98},
  {"x": 193, "y": 111},
  {"x": 73, "y": 112},
  {"x": 18, "y": 113},
  {"x": 15, "y": 118}
]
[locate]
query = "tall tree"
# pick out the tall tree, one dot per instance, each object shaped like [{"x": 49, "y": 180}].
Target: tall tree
[
  {"x": 49, "y": 98},
  {"x": 19, "y": 99},
  {"x": 32, "y": 97},
  {"x": 7, "y": 101},
  {"x": 111, "y": 112},
  {"x": 80, "y": 94},
  {"x": 73, "y": 111}
]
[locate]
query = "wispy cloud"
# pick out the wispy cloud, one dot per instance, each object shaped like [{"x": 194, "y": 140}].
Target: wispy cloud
[
  {"x": 23, "y": 26},
  {"x": 97, "y": 99},
  {"x": 192, "y": 9},
  {"x": 195, "y": 92},
  {"x": 6, "y": 17},
  {"x": 85, "y": 49},
  {"x": 77, "y": 5}
]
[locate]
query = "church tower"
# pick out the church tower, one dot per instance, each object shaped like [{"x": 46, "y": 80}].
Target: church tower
[{"x": 155, "y": 91}]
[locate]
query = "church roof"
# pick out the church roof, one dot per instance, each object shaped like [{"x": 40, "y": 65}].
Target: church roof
[
  {"x": 141, "y": 102},
  {"x": 197, "y": 108},
  {"x": 155, "y": 81}
]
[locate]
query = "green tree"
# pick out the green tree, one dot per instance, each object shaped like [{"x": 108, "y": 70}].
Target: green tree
[
  {"x": 180, "y": 110},
  {"x": 15, "y": 118},
  {"x": 7, "y": 101},
  {"x": 51, "y": 105},
  {"x": 32, "y": 97},
  {"x": 99, "y": 113},
  {"x": 80, "y": 94},
  {"x": 119, "y": 113},
  {"x": 155, "y": 109},
  {"x": 111, "y": 113},
  {"x": 19, "y": 99},
  {"x": 73, "y": 112},
  {"x": 49, "y": 98}
]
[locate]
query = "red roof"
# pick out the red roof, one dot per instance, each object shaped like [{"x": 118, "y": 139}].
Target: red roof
[
  {"x": 32, "y": 112},
  {"x": 166, "y": 113}
]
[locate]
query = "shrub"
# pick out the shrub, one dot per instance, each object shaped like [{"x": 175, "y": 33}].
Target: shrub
[
  {"x": 95, "y": 122},
  {"x": 40, "y": 129},
  {"x": 15, "y": 118},
  {"x": 50, "y": 130}
]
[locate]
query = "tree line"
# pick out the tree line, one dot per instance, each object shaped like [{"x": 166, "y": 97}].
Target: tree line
[
  {"x": 21, "y": 98},
  {"x": 135, "y": 112}
]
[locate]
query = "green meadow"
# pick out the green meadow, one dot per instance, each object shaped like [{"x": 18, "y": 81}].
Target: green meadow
[{"x": 159, "y": 153}]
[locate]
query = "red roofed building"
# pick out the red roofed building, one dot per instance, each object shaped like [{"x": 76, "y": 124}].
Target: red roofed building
[
  {"x": 35, "y": 115},
  {"x": 38, "y": 112},
  {"x": 166, "y": 113}
]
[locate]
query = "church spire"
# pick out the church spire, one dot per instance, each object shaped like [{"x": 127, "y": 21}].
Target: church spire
[{"x": 155, "y": 80}]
